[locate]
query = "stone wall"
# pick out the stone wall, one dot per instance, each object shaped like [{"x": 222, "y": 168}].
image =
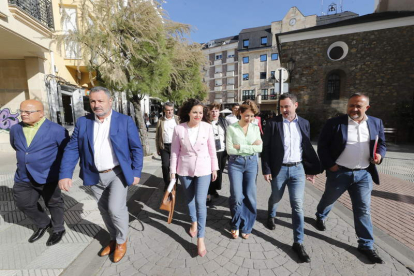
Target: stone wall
[{"x": 379, "y": 63}]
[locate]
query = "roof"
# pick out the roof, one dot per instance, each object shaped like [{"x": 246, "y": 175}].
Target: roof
[
  {"x": 356, "y": 20},
  {"x": 255, "y": 29},
  {"x": 332, "y": 18}
]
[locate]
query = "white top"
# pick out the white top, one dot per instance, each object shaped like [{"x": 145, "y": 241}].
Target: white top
[
  {"x": 169, "y": 125},
  {"x": 218, "y": 134},
  {"x": 104, "y": 155},
  {"x": 292, "y": 142},
  {"x": 356, "y": 153},
  {"x": 255, "y": 121},
  {"x": 193, "y": 134},
  {"x": 232, "y": 119}
]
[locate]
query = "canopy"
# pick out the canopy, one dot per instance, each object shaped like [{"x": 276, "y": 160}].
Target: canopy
[{"x": 225, "y": 111}]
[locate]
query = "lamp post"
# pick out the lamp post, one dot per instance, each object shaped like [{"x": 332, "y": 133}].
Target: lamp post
[{"x": 290, "y": 67}]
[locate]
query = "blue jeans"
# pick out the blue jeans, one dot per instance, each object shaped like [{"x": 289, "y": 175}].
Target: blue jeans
[
  {"x": 242, "y": 175},
  {"x": 294, "y": 179},
  {"x": 195, "y": 189},
  {"x": 359, "y": 186}
]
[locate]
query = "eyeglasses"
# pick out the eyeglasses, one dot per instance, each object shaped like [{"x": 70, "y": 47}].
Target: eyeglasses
[{"x": 27, "y": 111}]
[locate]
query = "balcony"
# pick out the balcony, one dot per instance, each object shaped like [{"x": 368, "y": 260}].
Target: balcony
[
  {"x": 218, "y": 88},
  {"x": 218, "y": 75},
  {"x": 230, "y": 60},
  {"x": 230, "y": 87},
  {"x": 230, "y": 74},
  {"x": 40, "y": 10},
  {"x": 217, "y": 62}
]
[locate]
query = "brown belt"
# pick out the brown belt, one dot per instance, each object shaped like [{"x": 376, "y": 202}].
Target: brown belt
[{"x": 108, "y": 170}]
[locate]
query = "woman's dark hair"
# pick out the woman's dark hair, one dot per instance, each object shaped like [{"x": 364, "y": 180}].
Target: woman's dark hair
[{"x": 186, "y": 108}]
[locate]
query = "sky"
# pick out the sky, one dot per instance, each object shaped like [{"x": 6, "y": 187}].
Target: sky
[{"x": 212, "y": 19}]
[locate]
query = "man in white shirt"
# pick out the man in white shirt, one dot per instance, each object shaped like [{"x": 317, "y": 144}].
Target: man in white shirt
[
  {"x": 288, "y": 158},
  {"x": 163, "y": 139},
  {"x": 232, "y": 118},
  {"x": 111, "y": 159},
  {"x": 346, "y": 148}
]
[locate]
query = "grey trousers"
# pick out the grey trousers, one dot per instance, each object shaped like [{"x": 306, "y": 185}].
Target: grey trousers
[{"x": 111, "y": 193}]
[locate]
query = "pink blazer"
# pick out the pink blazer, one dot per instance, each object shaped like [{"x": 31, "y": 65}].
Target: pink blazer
[{"x": 199, "y": 160}]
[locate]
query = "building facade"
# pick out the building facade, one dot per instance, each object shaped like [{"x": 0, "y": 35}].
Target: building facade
[
  {"x": 222, "y": 70},
  {"x": 373, "y": 54}
]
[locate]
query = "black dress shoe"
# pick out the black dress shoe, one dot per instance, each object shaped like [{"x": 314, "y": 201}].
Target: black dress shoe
[
  {"x": 320, "y": 224},
  {"x": 372, "y": 255},
  {"x": 300, "y": 250},
  {"x": 39, "y": 233},
  {"x": 55, "y": 238},
  {"x": 271, "y": 223}
]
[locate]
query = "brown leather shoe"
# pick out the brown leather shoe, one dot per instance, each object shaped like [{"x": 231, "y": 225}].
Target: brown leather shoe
[
  {"x": 108, "y": 249},
  {"x": 120, "y": 251}
]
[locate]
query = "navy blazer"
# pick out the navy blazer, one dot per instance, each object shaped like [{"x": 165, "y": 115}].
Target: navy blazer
[
  {"x": 333, "y": 137},
  {"x": 41, "y": 160},
  {"x": 274, "y": 150},
  {"x": 125, "y": 143}
]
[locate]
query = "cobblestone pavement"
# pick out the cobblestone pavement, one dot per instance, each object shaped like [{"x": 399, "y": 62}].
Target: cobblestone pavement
[{"x": 156, "y": 248}]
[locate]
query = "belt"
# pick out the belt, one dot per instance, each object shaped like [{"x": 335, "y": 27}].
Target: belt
[
  {"x": 348, "y": 169},
  {"x": 292, "y": 164},
  {"x": 108, "y": 170}
]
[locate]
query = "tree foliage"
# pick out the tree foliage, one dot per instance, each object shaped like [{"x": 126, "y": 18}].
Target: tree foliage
[{"x": 130, "y": 45}]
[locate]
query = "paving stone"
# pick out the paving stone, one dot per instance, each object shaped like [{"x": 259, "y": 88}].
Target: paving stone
[{"x": 211, "y": 266}]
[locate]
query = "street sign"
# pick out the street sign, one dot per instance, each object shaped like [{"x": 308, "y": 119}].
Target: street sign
[
  {"x": 281, "y": 73},
  {"x": 285, "y": 88}
]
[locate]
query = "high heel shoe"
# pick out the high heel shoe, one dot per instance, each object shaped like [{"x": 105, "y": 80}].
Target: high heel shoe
[
  {"x": 202, "y": 253},
  {"x": 192, "y": 234}
]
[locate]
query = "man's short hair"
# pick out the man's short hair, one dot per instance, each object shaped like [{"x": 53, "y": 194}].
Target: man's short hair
[
  {"x": 290, "y": 96},
  {"x": 360, "y": 95},
  {"x": 169, "y": 104},
  {"x": 236, "y": 104},
  {"x": 101, "y": 88}
]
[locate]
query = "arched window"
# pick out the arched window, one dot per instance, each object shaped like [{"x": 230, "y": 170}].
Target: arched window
[{"x": 333, "y": 86}]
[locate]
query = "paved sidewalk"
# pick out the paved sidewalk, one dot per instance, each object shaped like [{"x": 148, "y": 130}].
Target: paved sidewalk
[{"x": 156, "y": 248}]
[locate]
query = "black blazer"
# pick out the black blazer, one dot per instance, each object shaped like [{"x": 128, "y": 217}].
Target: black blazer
[
  {"x": 273, "y": 148},
  {"x": 333, "y": 137}
]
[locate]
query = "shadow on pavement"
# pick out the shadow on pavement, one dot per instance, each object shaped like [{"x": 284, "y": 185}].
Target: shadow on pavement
[{"x": 393, "y": 196}]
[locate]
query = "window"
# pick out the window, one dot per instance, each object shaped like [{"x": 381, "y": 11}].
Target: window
[
  {"x": 272, "y": 94},
  {"x": 262, "y": 75},
  {"x": 230, "y": 53},
  {"x": 245, "y": 59},
  {"x": 245, "y": 76},
  {"x": 337, "y": 51},
  {"x": 265, "y": 95},
  {"x": 245, "y": 43},
  {"x": 248, "y": 94},
  {"x": 220, "y": 56},
  {"x": 230, "y": 67},
  {"x": 263, "y": 40},
  {"x": 272, "y": 75},
  {"x": 333, "y": 86},
  {"x": 230, "y": 56},
  {"x": 275, "y": 56},
  {"x": 263, "y": 57}
]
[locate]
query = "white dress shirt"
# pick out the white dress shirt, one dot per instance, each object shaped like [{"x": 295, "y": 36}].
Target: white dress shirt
[
  {"x": 232, "y": 119},
  {"x": 292, "y": 141},
  {"x": 104, "y": 155},
  {"x": 356, "y": 153},
  {"x": 218, "y": 133},
  {"x": 169, "y": 125},
  {"x": 193, "y": 134}
]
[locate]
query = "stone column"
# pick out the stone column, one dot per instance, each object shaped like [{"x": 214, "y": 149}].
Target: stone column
[{"x": 35, "y": 71}]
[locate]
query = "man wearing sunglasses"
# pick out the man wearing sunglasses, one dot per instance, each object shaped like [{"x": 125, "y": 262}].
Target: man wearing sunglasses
[{"x": 39, "y": 145}]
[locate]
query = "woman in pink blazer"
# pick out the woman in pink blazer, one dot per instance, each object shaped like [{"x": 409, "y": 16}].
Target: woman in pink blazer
[{"x": 193, "y": 158}]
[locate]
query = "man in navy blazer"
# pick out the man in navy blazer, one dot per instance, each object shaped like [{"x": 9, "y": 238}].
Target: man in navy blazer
[
  {"x": 39, "y": 145},
  {"x": 111, "y": 158},
  {"x": 287, "y": 159},
  {"x": 346, "y": 149}
]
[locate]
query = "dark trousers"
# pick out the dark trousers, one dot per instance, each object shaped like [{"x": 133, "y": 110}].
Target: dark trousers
[
  {"x": 216, "y": 185},
  {"x": 165, "y": 160},
  {"x": 27, "y": 196}
]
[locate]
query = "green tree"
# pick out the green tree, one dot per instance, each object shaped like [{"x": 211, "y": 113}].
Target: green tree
[{"x": 129, "y": 45}]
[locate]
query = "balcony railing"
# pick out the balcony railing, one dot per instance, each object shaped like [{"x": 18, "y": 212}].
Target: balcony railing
[{"x": 41, "y": 10}]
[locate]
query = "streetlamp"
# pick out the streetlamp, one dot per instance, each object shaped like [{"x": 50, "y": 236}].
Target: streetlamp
[{"x": 290, "y": 67}]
